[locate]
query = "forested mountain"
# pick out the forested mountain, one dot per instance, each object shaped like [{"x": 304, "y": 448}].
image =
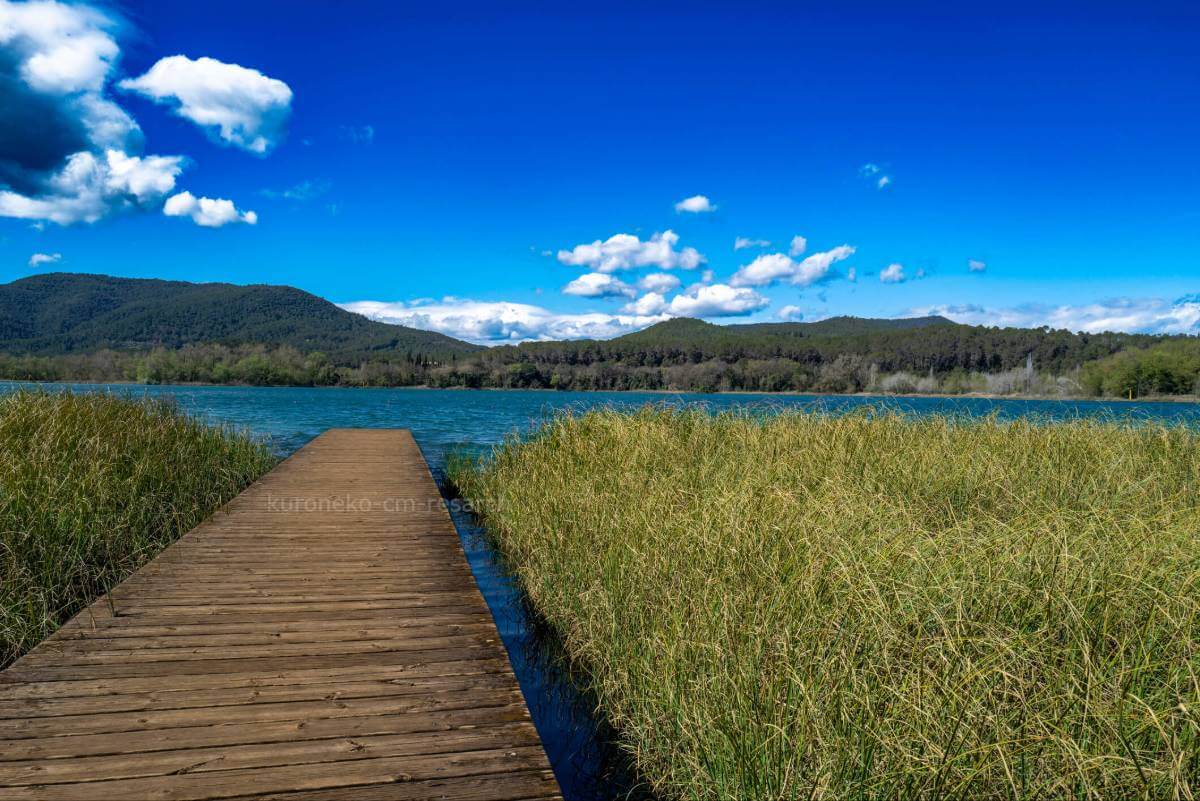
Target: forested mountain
[
  {"x": 60, "y": 313},
  {"x": 84, "y": 327},
  {"x": 918, "y": 344}
]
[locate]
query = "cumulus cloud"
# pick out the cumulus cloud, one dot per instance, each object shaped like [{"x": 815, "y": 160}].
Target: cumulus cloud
[
  {"x": 659, "y": 282},
  {"x": 791, "y": 314},
  {"x": 696, "y": 204},
  {"x": 497, "y": 323},
  {"x": 650, "y": 304},
  {"x": 234, "y": 104},
  {"x": 38, "y": 259},
  {"x": 1133, "y": 315},
  {"x": 66, "y": 150},
  {"x": 742, "y": 243},
  {"x": 771, "y": 267},
  {"x": 89, "y": 187},
  {"x": 716, "y": 300},
  {"x": 599, "y": 285},
  {"x": 66, "y": 48},
  {"x": 145, "y": 178},
  {"x": 976, "y": 266},
  {"x": 883, "y": 181},
  {"x": 798, "y": 246},
  {"x": 68, "y": 153},
  {"x": 893, "y": 274},
  {"x": 206, "y": 211},
  {"x": 627, "y": 251}
]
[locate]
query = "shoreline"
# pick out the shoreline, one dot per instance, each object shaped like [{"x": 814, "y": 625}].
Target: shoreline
[{"x": 784, "y": 394}]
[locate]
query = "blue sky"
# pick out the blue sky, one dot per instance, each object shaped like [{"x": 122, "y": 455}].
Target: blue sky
[{"x": 441, "y": 165}]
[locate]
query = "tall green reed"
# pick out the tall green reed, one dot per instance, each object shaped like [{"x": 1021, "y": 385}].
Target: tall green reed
[
  {"x": 869, "y": 606},
  {"x": 91, "y": 487}
]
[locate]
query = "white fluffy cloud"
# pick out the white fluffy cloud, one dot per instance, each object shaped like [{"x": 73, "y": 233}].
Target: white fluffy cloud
[
  {"x": 716, "y": 300},
  {"x": 771, "y": 267},
  {"x": 651, "y": 303},
  {"x": 627, "y": 251},
  {"x": 145, "y": 178},
  {"x": 497, "y": 323},
  {"x": 1135, "y": 315},
  {"x": 893, "y": 274},
  {"x": 599, "y": 285},
  {"x": 38, "y": 259},
  {"x": 696, "y": 204},
  {"x": 976, "y": 266},
  {"x": 235, "y": 104},
  {"x": 67, "y": 146},
  {"x": 659, "y": 282},
  {"x": 742, "y": 242},
  {"x": 765, "y": 269},
  {"x": 206, "y": 211},
  {"x": 72, "y": 155},
  {"x": 89, "y": 188},
  {"x": 798, "y": 246},
  {"x": 68, "y": 48},
  {"x": 791, "y": 314}
]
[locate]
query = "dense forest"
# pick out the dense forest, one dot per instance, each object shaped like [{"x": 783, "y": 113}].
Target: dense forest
[
  {"x": 66, "y": 313},
  {"x": 62, "y": 327}
]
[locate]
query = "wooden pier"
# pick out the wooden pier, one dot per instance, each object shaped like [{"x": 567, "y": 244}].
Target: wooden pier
[{"x": 320, "y": 638}]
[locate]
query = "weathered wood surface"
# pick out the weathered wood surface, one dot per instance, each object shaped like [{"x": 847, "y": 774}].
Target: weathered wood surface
[{"x": 320, "y": 638}]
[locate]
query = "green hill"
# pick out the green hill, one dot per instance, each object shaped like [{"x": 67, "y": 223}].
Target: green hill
[
  {"x": 921, "y": 345},
  {"x": 64, "y": 313},
  {"x": 69, "y": 327},
  {"x": 685, "y": 330}
]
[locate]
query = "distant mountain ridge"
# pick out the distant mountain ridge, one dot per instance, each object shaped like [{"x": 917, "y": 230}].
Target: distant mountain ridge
[
  {"x": 687, "y": 328},
  {"x": 75, "y": 327},
  {"x": 60, "y": 313}
]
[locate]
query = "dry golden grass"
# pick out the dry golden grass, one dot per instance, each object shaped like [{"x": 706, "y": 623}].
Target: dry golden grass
[{"x": 869, "y": 606}]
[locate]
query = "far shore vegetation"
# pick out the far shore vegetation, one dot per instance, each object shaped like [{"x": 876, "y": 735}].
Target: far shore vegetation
[
  {"x": 91, "y": 487},
  {"x": 869, "y": 606},
  {"x": 91, "y": 328},
  {"x": 1166, "y": 369}
]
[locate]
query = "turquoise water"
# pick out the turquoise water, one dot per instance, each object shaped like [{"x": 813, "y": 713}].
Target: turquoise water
[
  {"x": 587, "y": 766},
  {"x": 445, "y": 419}
]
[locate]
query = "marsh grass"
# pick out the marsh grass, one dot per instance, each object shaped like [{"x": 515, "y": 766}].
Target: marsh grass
[
  {"x": 869, "y": 606},
  {"x": 91, "y": 487}
]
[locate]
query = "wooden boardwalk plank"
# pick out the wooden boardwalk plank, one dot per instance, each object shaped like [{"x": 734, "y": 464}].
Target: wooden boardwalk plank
[{"x": 321, "y": 637}]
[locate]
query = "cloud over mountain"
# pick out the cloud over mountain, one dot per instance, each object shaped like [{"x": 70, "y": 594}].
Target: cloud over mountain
[
  {"x": 627, "y": 252},
  {"x": 1135, "y": 315},
  {"x": 599, "y": 285},
  {"x": 494, "y": 323},
  {"x": 235, "y": 105},
  {"x": 207, "y": 212},
  {"x": 771, "y": 267}
]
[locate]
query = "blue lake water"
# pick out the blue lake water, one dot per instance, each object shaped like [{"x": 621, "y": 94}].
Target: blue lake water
[{"x": 443, "y": 421}]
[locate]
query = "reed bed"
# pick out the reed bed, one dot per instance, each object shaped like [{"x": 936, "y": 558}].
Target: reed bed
[
  {"x": 91, "y": 487},
  {"x": 869, "y": 606}
]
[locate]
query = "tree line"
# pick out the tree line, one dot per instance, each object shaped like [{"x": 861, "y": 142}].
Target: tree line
[{"x": 893, "y": 365}]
